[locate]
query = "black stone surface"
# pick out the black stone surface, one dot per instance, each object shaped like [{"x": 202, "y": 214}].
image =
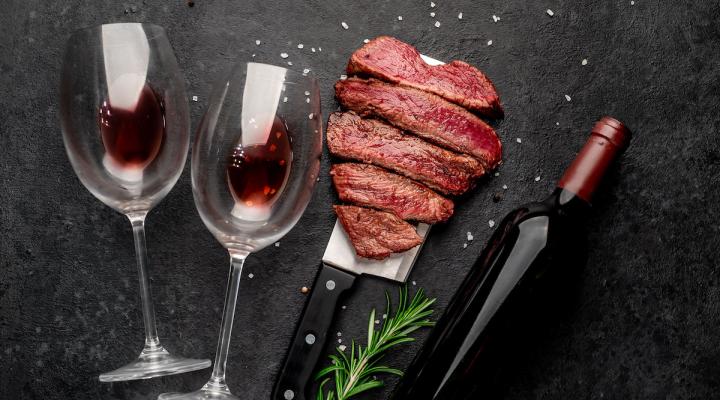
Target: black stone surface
[{"x": 643, "y": 321}]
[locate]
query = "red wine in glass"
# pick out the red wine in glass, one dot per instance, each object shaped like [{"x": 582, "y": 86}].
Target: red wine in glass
[
  {"x": 257, "y": 173},
  {"x": 133, "y": 137}
]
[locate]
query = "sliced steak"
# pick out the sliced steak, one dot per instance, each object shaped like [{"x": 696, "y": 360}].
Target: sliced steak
[
  {"x": 374, "y": 187},
  {"x": 395, "y": 61},
  {"x": 376, "y": 234},
  {"x": 424, "y": 114},
  {"x": 375, "y": 142}
]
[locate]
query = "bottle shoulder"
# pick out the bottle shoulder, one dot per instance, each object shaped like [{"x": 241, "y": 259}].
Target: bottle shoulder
[
  {"x": 544, "y": 220},
  {"x": 529, "y": 211},
  {"x": 561, "y": 207}
]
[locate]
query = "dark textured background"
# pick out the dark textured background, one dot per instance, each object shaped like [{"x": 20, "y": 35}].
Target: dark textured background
[{"x": 643, "y": 321}]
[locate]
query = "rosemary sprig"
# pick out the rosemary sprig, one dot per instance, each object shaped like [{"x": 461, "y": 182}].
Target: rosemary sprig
[{"x": 357, "y": 373}]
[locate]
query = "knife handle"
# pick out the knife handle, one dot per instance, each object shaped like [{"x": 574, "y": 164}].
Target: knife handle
[{"x": 311, "y": 333}]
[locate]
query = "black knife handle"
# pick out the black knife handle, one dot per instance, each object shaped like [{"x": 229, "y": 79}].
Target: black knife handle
[{"x": 311, "y": 333}]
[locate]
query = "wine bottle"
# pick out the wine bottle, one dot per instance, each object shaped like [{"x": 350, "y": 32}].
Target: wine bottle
[{"x": 534, "y": 245}]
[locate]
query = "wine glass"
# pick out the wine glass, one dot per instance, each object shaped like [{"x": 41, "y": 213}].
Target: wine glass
[
  {"x": 255, "y": 162},
  {"x": 125, "y": 126}
]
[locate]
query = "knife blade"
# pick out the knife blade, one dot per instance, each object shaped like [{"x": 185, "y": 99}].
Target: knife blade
[{"x": 339, "y": 268}]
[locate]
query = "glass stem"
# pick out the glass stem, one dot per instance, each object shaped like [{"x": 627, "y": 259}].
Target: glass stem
[
  {"x": 152, "y": 342},
  {"x": 217, "y": 380}
]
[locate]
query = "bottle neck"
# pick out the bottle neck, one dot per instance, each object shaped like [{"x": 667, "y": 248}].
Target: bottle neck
[{"x": 607, "y": 141}]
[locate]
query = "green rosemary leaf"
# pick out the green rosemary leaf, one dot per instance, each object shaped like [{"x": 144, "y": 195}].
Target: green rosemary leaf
[
  {"x": 363, "y": 387},
  {"x": 381, "y": 370},
  {"x": 358, "y": 372},
  {"x": 371, "y": 328},
  {"x": 395, "y": 343},
  {"x": 327, "y": 371},
  {"x": 321, "y": 390}
]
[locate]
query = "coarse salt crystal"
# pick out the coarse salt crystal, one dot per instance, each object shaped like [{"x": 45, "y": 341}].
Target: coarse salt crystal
[
  {"x": 343, "y": 77},
  {"x": 307, "y": 100},
  {"x": 377, "y": 321},
  {"x": 344, "y": 307},
  {"x": 567, "y": 97},
  {"x": 489, "y": 42},
  {"x": 495, "y": 18},
  {"x": 312, "y": 49},
  {"x": 399, "y": 17},
  {"x": 437, "y": 24},
  {"x": 257, "y": 42},
  {"x": 307, "y": 93},
  {"x": 319, "y": 48},
  {"x": 432, "y": 4},
  {"x": 432, "y": 14},
  {"x": 464, "y": 245},
  {"x": 251, "y": 276},
  {"x": 497, "y": 173},
  {"x": 414, "y": 283},
  {"x": 342, "y": 347},
  {"x": 339, "y": 340},
  {"x": 284, "y": 101},
  {"x": 195, "y": 98},
  {"x": 366, "y": 41},
  {"x": 306, "y": 71},
  {"x": 384, "y": 316},
  {"x": 459, "y": 15},
  {"x": 253, "y": 55},
  {"x": 283, "y": 55},
  {"x": 632, "y": 2},
  {"x": 277, "y": 244},
  {"x": 470, "y": 237},
  {"x": 518, "y": 140},
  {"x": 289, "y": 62},
  {"x": 311, "y": 116},
  {"x": 584, "y": 61},
  {"x": 344, "y": 25},
  {"x": 300, "y": 46},
  {"x": 537, "y": 179},
  {"x": 491, "y": 223},
  {"x": 557, "y": 124},
  {"x": 504, "y": 187},
  {"x": 550, "y": 12},
  {"x": 339, "y": 334}
]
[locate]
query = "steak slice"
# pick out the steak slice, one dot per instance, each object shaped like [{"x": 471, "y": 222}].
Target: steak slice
[
  {"x": 424, "y": 114},
  {"x": 376, "y": 234},
  {"x": 375, "y": 142},
  {"x": 374, "y": 187},
  {"x": 395, "y": 61}
]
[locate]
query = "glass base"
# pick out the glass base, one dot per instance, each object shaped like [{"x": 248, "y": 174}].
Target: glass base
[
  {"x": 152, "y": 364},
  {"x": 198, "y": 395},
  {"x": 213, "y": 390}
]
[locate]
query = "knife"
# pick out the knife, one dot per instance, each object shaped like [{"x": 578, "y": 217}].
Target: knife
[
  {"x": 340, "y": 267},
  {"x": 338, "y": 271}
]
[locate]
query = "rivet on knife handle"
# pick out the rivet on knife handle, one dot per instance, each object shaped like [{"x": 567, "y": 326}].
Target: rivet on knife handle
[{"x": 312, "y": 333}]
